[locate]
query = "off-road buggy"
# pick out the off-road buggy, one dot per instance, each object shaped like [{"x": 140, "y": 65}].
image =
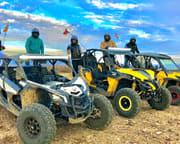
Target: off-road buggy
[
  {"x": 105, "y": 76},
  {"x": 167, "y": 71},
  {"x": 33, "y": 89}
]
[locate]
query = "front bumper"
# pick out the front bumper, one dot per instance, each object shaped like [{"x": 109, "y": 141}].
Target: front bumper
[{"x": 77, "y": 107}]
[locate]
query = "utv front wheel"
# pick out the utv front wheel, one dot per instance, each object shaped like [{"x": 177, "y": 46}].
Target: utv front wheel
[
  {"x": 127, "y": 102},
  {"x": 36, "y": 124},
  {"x": 175, "y": 93},
  {"x": 102, "y": 115},
  {"x": 162, "y": 100}
]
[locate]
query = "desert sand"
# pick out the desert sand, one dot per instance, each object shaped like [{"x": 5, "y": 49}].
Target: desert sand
[{"x": 148, "y": 127}]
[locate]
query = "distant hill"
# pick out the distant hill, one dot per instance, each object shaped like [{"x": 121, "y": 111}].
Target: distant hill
[{"x": 14, "y": 51}]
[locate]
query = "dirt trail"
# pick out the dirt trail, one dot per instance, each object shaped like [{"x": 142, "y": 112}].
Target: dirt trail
[{"x": 149, "y": 127}]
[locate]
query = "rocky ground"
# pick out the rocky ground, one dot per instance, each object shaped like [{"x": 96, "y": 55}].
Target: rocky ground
[{"x": 148, "y": 127}]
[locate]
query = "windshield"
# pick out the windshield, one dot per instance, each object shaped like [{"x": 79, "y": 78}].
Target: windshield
[{"x": 169, "y": 64}]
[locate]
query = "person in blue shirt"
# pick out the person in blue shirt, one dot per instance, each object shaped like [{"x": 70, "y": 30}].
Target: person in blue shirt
[{"x": 34, "y": 45}]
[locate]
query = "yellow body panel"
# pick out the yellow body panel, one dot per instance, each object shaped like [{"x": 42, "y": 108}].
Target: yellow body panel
[
  {"x": 151, "y": 73},
  {"x": 152, "y": 86},
  {"x": 99, "y": 67},
  {"x": 162, "y": 75},
  {"x": 89, "y": 78},
  {"x": 133, "y": 73},
  {"x": 113, "y": 83}
]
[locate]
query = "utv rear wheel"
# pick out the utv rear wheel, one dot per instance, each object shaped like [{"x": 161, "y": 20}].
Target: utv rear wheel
[
  {"x": 127, "y": 102},
  {"x": 162, "y": 100},
  {"x": 102, "y": 115},
  {"x": 175, "y": 93},
  {"x": 36, "y": 124}
]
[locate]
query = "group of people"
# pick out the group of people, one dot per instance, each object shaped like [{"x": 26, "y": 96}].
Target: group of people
[
  {"x": 34, "y": 45},
  {"x": 74, "y": 50}
]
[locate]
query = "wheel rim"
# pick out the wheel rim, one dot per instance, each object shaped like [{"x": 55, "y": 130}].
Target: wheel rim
[
  {"x": 125, "y": 103},
  {"x": 32, "y": 127},
  {"x": 175, "y": 96},
  {"x": 97, "y": 113}
]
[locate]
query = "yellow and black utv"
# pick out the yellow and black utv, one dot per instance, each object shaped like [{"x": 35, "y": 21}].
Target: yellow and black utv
[
  {"x": 127, "y": 86},
  {"x": 167, "y": 71}
]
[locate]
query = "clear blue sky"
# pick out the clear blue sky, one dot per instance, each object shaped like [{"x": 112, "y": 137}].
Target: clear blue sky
[{"x": 155, "y": 23}]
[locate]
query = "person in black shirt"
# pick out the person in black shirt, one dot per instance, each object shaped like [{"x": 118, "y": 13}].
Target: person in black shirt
[
  {"x": 134, "y": 49},
  {"x": 1, "y": 46},
  {"x": 74, "y": 53}
]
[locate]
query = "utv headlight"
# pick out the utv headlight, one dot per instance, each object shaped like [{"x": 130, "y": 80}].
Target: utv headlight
[
  {"x": 56, "y": 98},
  {"x": 73, "y": 90}
]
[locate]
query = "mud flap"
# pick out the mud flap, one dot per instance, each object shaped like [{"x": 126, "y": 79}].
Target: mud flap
[{"x": 29, "y": 96}]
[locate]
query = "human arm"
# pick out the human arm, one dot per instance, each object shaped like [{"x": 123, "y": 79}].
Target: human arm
[
  {"x": 114, "y": 44},
  {"x": 42, "y": 47},
  {"x": 27, "y": 45},
  {"x": 102, "y": 45},
  {"x": 81, "y": 50},
  {"x": 137, "y": 50},
  {"x": 69, "y": 52},
  {"x": 126, "y": 46}
]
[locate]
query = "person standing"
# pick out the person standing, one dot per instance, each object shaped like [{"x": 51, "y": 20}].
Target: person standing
[
  {"x": 74, "y": 53},
  {"x": 1, "y": 46},
  {"x": 107, "y": 42},
  {"x": 34, "y": 45},
  {"x": 134, "y": 49}
]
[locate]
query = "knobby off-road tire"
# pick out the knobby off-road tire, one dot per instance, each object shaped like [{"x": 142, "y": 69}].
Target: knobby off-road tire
[
  {"x": 36, "y": 124},
  {"x": 127, "y": 102},
  {"x": 175, "y": 93},
  {"x": 104, "y": 107},
  {"x": 164, "y": 100}
]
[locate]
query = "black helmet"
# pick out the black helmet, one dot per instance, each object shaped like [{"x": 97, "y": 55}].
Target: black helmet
[
  {"x": 35, "y": 30},
  {"x": 133, "y": 39},
  {"x": 107, "y": 37},
  {"x": 74, "y": 37},
  {"x": 35, "y": 33}
]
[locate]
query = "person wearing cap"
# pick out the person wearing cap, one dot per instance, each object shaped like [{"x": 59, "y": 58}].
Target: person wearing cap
[
  {"x": 107, "y": 42},
  {"x": 34, "y": 45},
  {"x": 134, "y": 49},
  {"x": 74, "y": 53}
]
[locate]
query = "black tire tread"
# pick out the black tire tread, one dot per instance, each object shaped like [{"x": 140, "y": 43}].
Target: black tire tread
[
  {"x": 134, "y": 95},
  {"x": 46, "y": 114},
  {"x": 174, "y": 88},
  {"x": 109, "y": 113},
  {"x": 167, "y": 98}
]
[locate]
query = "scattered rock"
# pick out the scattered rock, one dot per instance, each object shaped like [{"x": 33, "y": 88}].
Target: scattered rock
[
  {"x": 168, "y": 138},
  {"x": 130, "y": 123},
  {"x": 155, "y": 124},
  {"x": 158, "y": 132},
  {"x": 170, "y": 130}
]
